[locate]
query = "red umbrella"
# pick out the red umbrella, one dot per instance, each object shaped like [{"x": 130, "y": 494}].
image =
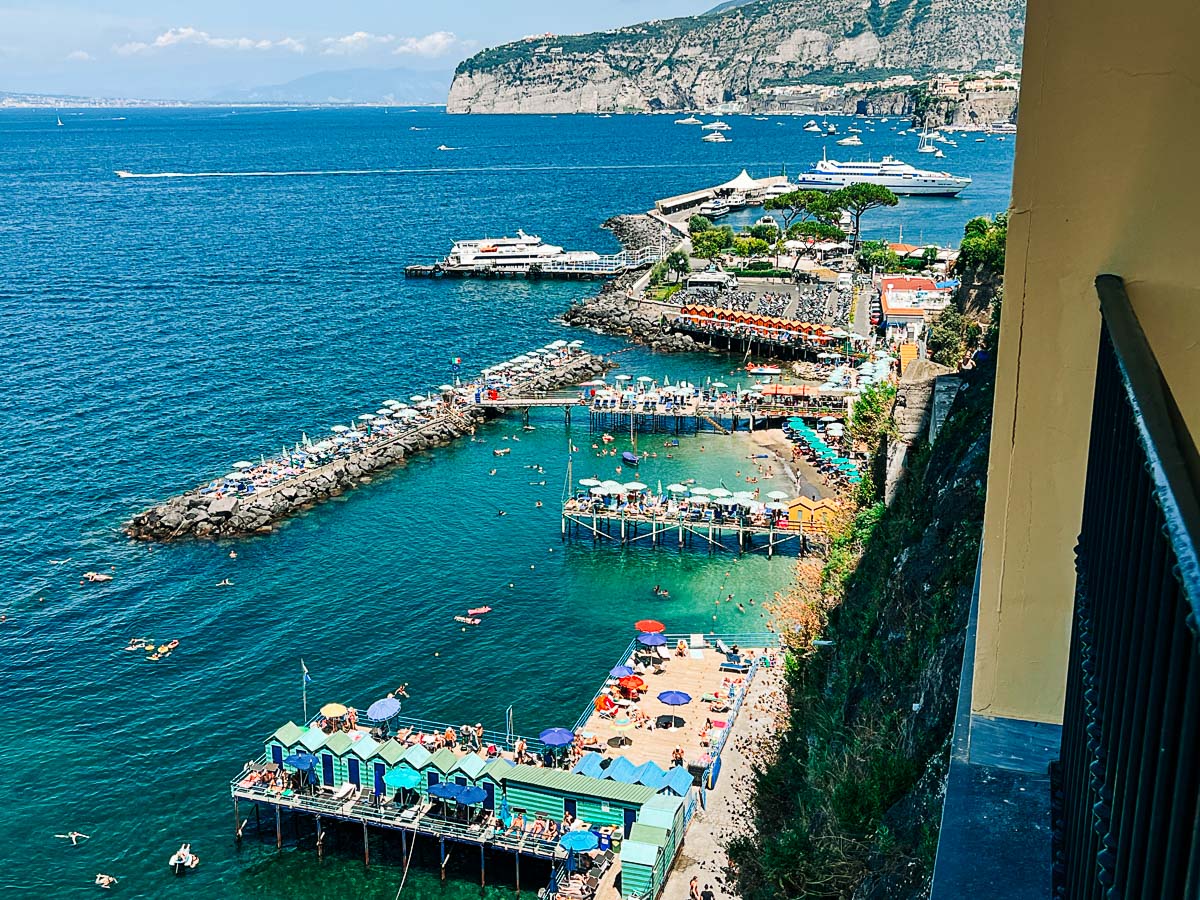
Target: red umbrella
[
  {"x": 632, "y": 683},
  {"x": 650, "y": 626}
]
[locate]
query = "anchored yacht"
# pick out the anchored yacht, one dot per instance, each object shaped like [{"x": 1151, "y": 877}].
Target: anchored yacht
[
  {"x": 514, "y": 254},
  {"x": 898, "y": 176}
]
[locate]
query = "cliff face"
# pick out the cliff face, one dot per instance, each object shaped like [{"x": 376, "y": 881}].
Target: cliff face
[{"x": 738, "y": 56}]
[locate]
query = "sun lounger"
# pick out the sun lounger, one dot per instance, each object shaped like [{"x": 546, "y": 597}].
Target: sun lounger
[{"x": 662, "y": 653}]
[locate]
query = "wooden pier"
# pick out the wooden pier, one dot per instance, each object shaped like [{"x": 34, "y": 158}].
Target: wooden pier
[{"x": 728, "y": 534}]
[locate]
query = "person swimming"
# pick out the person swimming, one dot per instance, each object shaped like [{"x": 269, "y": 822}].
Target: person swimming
[
  {"x": 105, "y": 881},
  {"x": 225, "y": 583}
]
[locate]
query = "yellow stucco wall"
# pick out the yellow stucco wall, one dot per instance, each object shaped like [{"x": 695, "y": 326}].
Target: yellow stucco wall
[{"x": 1106, "y": 180}]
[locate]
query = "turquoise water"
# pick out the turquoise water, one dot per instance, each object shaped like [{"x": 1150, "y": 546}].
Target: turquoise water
[{"x": 157, "y": 330}]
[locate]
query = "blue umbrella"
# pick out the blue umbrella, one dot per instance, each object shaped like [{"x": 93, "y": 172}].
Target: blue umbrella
[
  {"x": 445, "y": 790},
  {"x": 620, "y": 671},
  {"x": 402, "y": 778},
  {"x": 556, "y": 737},
  {"x": 472, "y": 795},
  {"x": 579, "y": 841},
  {"x": 651, "y": 640},
  {"x": 383, "y": 709},
  {"x": 675, "y": 698},
  {"x": 301, "y": 761}
]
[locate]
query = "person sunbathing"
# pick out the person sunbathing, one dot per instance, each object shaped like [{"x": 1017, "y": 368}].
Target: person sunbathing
[
  {"x": 517, "y": 826},
  {"x": 538, "y": 828},
  {"x": 551, "y": 831}
]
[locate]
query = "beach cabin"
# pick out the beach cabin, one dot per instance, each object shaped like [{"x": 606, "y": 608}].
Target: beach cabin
[
  {"x": 387, "y": 757},
  {"x": 640, "y": 864},
  {"x": 812, "y": 515},
  {"x": 665, "y": 812},
  {"x": 358, "y": 763},
  {"x": 553, "y": 793},
  {"x": 332, "y": 768},
  {"x": 641, "y": 833},
  {"x": 280, "y": 744}
]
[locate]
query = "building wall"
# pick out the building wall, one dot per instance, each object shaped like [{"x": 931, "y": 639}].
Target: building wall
[{"x": 1103, "y": 183}]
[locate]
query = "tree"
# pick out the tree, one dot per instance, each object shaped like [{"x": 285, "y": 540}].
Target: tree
[
  {"x": 929, "y": 256},
  {"x": 947, "y": 338},
  {"x": 877, "y": 255},
  {"x": 678, "y": 263},
  {"x": 747, "y": 247},
  {"x": 697, "y": 224},
  {"x": 803, "y": 205},
  {"x": 860, "y": 198},
  {"x": 983, "y": 244},
  {"x": 768, "y": 233},
  {"x": 708, "y": 244}
]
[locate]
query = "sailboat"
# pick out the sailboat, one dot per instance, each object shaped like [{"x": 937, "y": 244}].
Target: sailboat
[{"x": 59, "y": 118}]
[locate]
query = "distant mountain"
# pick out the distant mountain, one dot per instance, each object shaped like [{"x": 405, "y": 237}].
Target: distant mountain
[
  {"x": 740, "y": 55},
  {"x": 402, "y": 87},
  {"x": 727, "y": 5}
]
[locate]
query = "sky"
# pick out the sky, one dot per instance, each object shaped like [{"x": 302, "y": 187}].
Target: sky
[{"x": 193, "y": 50}]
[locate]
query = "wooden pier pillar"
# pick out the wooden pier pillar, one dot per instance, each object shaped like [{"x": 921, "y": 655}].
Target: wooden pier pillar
[
  {"x": 517, "y": 856},
  {"x": 771, "y": 541},
  {"x": 278, "y": 829},
  {"x": 442, "y": 851},
  {"x": 366, "y": 847},
  {"x": 320, "y": 839},
  {"x": 622, "y": 529},
  {"x": 681, "y": 535},
  {"x": 404, "y": 842},
  {"x": 237, "y": 822},
  {"x": 482, "y": 878},
  {"x": 257, "y": 818}
]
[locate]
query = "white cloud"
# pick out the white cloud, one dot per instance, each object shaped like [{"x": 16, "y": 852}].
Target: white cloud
[
  {"x": 175, "y": 37},
  {"x": 435, "y": 44},
  {"x": 357, "y": 42},
  {"x": 79, "y": 56}
]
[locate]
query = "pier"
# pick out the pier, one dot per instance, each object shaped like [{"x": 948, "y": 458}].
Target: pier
[
  {"x": 631, "y": 773},
  {"x": 253, "y": 497}
]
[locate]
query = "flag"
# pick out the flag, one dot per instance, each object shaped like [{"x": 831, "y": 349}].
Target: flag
[
  {"x": 457, "y": 361},
  {"x": 304, "y": 669}
]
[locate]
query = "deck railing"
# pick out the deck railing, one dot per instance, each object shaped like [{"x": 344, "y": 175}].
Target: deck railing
[{"x": 1128, "y": 780}]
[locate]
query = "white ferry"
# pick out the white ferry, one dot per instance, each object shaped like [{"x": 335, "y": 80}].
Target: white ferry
[
  {"x": 714, "y": 209},
  {"x": 512, "y": 254},
  {"x": 899, "y": 177}
]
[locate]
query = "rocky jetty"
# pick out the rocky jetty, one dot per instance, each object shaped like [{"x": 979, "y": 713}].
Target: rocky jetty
[{"x": 199, "y": 514}]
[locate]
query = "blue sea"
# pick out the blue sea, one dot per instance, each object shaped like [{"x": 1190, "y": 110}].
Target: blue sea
[{"x": 155, "y": 330}]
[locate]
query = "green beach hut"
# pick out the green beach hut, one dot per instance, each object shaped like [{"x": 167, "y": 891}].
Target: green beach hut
[
  {"x": 358, "y": 763},
  {"x": 639, "y": 862},
  {"x": 280, "y": 744},
  {"x": 553, "y": 793}
]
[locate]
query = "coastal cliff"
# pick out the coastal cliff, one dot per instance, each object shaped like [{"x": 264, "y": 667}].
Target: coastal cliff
[{"x": 744, "y": 57}]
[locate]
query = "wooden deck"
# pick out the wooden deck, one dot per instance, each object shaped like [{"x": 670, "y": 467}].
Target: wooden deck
[{"x": 697, "y": 674}]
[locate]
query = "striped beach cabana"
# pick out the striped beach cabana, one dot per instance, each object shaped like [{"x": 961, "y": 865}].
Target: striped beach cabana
[
  {"x": 358, "y": 763},
  {"x": 333, "y": 754},
  {"x": 666, "y": 812},
  {"x": 639, "y": 863},
  {"x": 554, "y": 793}
]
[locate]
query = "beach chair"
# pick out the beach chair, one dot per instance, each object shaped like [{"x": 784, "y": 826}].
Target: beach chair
[
  {"x": 724, "y": 648},
  {"x": 661, "y": 652}
]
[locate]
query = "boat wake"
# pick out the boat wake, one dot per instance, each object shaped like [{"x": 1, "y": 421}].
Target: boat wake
[{"x": 436, "y": 170}]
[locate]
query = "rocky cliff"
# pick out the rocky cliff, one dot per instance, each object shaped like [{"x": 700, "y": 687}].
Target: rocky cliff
[{"x": 738, "y": 57}]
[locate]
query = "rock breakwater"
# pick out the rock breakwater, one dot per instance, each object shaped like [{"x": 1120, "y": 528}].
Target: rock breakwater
[{"x": 207, "y": 513}]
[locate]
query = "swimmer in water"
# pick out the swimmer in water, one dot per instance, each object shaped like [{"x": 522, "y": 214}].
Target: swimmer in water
[
  {"x": 96, "y": 577},
  {"x": 538, "y": 505},
  {"x": 225, "y": 583},
  {"x": 233, "y": 554},
  {"x": 493, "y": 472},
  {"x": 105, "y": 881},
  {"x": 501, "y": 512},
  {"x": 73, "y": 837}
]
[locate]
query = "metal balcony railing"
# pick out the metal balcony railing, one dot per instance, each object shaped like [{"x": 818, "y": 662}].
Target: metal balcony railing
[{"x": 1125, "y": 801}]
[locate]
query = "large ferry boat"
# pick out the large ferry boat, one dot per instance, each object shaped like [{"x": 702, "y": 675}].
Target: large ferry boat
[
  {"x": 515, "y": 254},
  {"x": 898, "y": 176}
]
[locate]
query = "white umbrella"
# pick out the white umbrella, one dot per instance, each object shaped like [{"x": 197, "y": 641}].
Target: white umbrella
[
  {"x": 558, "y": 345},
  {"x": 339, "y": 429},
  {"x": 677, "y": 488},
  {"x": 777, "y": 495},
  {"x": 700, "y": 500},
  {"x": 589, "y": 482},
  {"x": 645, "y": 379},
  {"x": 827, "y": 419},
  {"x": 341, "y": 440},
  {"x": 612, "y": 485},
  {"x": 728, "y": 501},
  {"x": 595, "y": 383},
  {"x": 778, "y": 507},
  {"x": 365, "y": 417},
  {"x": 392, "y": 404},
  {"x": 744, "y": 495},
  {"x": 699, "y": 491},
  {"x": 635, "y": 486},
  {"x": 720, "y": 492},
  {"x": 243, "y": 465},
  {"x": 383, "y": 411},
  {"x": 446, "y": 387},
  {"x": 597, "y": 491},
  {"x": 623, "y": 378},
  {"x": 575, "y": 344},
  {"x": 718, "y": 384},
  {"x": 417, "y": 398}
]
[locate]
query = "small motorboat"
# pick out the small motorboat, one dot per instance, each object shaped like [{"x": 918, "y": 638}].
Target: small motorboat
[
  {"x": 467, "y": 620},
  {"x": 479, "y": 610},
  {"x": 503, "y": 451},
  {"x": 764, "y": 370},
  {"x": 630, "y": 459}
]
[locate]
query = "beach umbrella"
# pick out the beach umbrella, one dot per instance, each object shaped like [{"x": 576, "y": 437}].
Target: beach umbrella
[
  {"x": 651, "y": 639},
  {"x": 621, "y": 724},
  {"x": 383, "y": 709},
  {"x": 301, "y": 761},
  {"x": 777, "y": 495},
  {"x": 598, "y": 491},
  {"x": 635, "y": 486},
  {"x": 728, "y": 501},
  {"x": 700, "y": 501},
  {"x": 613, "y": 486},
  {"x": 392, "y": 404},
  {"x": 445, "y": 790},
  {"x": 675, "y": 698},
  {"x": 649, "y": 626},
  {"x": 623, "y": 378},
  {"x": 333, "y": 710},
  {"x": 556, "y": 737},
  {"x": 243, "y": 465},
  {"x": 620, "y": 671},
  {"x": 402, "y": 778},
  {"x": 575, "y": 344},
  {"x": 719, "y": 384},
  {"x": 699, "y": 491},
  {"x": 778, "y": 507},
  {"x": 579, "y": 841},
  {"x": 677, "y": 488},
  {"x": 720, "y": 492},
  {"x": 645, "y": 379},
  {"x": 472, "y": 795},
  {"x": 446, "y": 387},
  {"x": 417, "y": 398},
  {"x": 595, "y": 382},
  {"x": 559, "y": 344},
  {"x": 590, "y": 482},
  {"x": 383, "y": 411},
  {"x": 632, "y": 683}
]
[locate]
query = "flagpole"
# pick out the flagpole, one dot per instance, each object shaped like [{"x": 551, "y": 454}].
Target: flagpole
[{"x": 304, "y": 688}]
